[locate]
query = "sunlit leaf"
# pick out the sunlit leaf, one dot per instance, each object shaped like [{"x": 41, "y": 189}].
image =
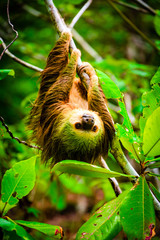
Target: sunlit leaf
[
  {"x": 5, "y": 72},
  {"x": 105, "y": 223},
  {"x": 151, "y": 135},
  {"x": 150, "y": 100},
  {"x": 18, "y": 181},
  {"x": 12, "y": 226},
  {"x": 85, "y": 169},
  {"x": 137, "y": 212},
  {"x": 109, "y": 88},
  {"x": 5, "y": 207},
  {"x": 55, "y": 232}
]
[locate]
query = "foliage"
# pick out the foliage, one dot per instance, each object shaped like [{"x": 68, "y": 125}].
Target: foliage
[{"x": 34, "y": 200}]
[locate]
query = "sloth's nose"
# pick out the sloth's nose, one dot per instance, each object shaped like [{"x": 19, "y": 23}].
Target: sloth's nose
[{"x": 87, "y": 121}]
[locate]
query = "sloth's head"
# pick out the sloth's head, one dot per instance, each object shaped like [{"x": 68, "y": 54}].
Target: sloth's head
[{"x": 80, "y": 135}]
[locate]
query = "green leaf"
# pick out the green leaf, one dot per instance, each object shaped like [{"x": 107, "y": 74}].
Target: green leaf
[
  {"x": 153, "y": 174},
  {"x": 155, "y": 191},
  {"x": 151, "y": 136},
  {"x": 150, "y": 100},
  {"x": 137, "y": 212},
  {"x": 85, "y": 169},
  {"x": 5, "y": 72},
  {"x": 109, "y": 88},
  {"x": 12, "y": 226},
  {"x": 153, "y": 165},
  {"x": 105, "y": 223},
  {"x": 130, "y": 141},
  {"x": 18, "y": 181},
  {"x": 5, "y": 208},
  {"x": 126, "y": 121},
  {"x": 55, "y": 232},
  {"x": 157, "y": 22}
]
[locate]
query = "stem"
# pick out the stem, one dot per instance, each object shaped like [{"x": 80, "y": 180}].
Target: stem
[
  {"x": 4, "y": 208},
  {"x": 113, "y": 181},
  {"x": 127, "y": 168},
  {"x": 118, "y": 154}
]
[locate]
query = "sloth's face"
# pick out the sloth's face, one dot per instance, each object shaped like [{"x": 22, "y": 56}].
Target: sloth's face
[{"x": 81, "y": 130}]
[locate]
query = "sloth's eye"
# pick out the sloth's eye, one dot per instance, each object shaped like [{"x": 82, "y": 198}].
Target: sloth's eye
[
  {"x": 78, "y": 125},
  {"x": 94, "y": 129}
]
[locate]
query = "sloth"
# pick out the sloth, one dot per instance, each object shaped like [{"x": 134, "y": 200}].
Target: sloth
[{"x": 70, "y": 119}]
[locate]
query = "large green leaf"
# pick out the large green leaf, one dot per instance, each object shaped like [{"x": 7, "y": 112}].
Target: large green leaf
[
  {"x": 109, "y": 88},
  {"x": 151, "y": 135},
  {"x": 5, "y": 72},
  {"x": 18, "y": 181},
  {"x": 55, "y": 232},
  {"x": 150, "y": 100},
  {"x": 105, "y": 223},
  {"x": 85, "y": 169},
  {"x": 12, "y": 226},
  {"x": 137, "y": 212}
]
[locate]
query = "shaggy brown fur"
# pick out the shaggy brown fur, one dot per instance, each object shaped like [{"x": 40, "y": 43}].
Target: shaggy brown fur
[{"x": 63, "y": 101}]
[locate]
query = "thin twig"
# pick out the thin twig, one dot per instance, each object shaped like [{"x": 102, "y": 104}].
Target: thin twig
[
  {"x": 132, "y": 25},
  {"x": 9, "y": 21},
  {"x": 28, "y": 65},
  {"x": 77, "y": 17},
  {"x": 146, "y": 6},
  {"x": 17, "y": 139},
  {"x": 130, "y": 6},
  {"x": 113, "y": 181}
]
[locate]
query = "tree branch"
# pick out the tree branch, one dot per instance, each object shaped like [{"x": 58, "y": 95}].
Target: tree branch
[
  {"x": 9, "y": 21},
  {"x": 75, "y": 34},
  {"x": 113, "y": 181},
  {"x": 77, "y": 17},
  {"x": 28, "y": 65},
  {"x": 61, "y": 27},
  {"x": 15, "y": 138}
]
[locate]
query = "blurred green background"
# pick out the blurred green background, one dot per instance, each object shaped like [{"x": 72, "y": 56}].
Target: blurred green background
[{"x": 128, "y": 58}]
